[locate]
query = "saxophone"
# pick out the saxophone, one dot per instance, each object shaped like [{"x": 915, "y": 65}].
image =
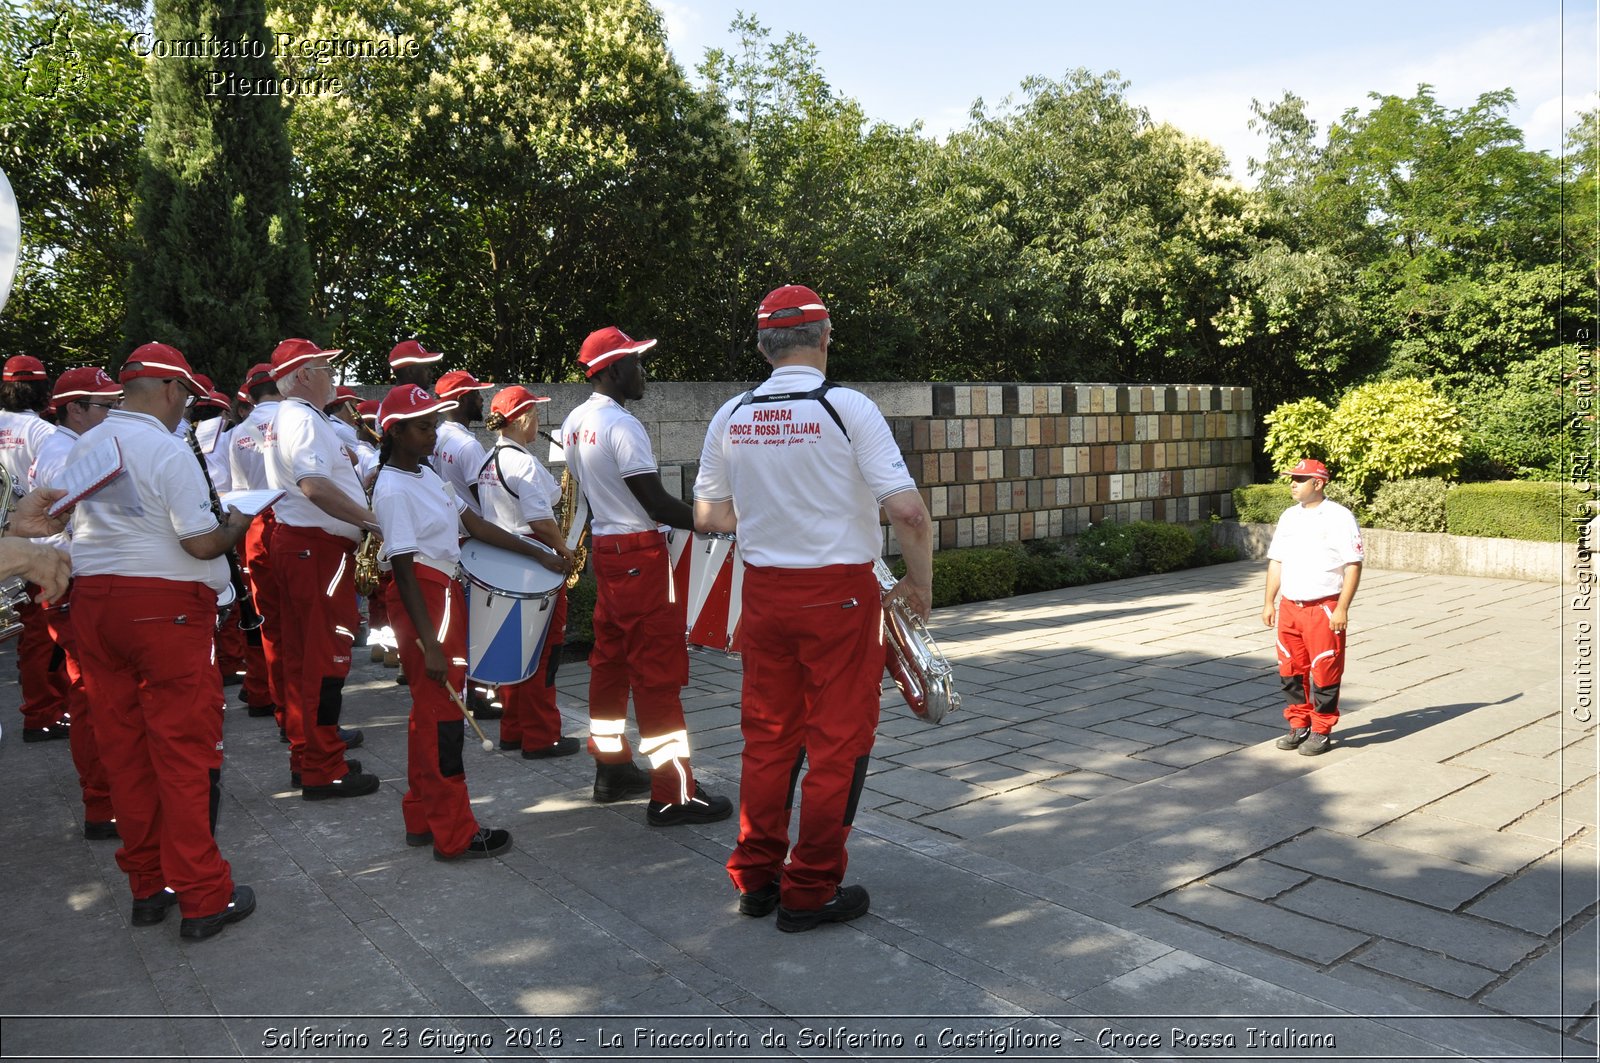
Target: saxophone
[
  {"x": 367, "y": 571},
  {"x": 570, "y": 511}
]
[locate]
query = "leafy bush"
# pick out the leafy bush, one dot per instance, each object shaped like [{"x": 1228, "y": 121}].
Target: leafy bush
[
  {"x": 1207, "y": 551},
  {"x": 1297, "y": 430},
  {"x": 1518, "y": 509},
  {"x": 1161, "y": 547},
  {"x": 973, "y": 575},
  {"x": 580, "y": 610},
  {"x": 1261, "y": 503},
  {"x": 1045, "y": 565},
  {"x": 1409, "y": 505},
  {"x": 1512, "y": 422},
  {"x": 1391, "y": 429},
  {"x": 1107, "y": 551},
  {"x": 1349, "y": 496}
]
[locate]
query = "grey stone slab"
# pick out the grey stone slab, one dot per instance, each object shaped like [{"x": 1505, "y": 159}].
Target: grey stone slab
[
  {"x": 1546, "y": 823},
  {"x": 1215, "y": 705},
  {"x": 1242, "y": 731},
  {"x": 1187, "y": 751},
  {"x": 1462, "y": 937},
  {"x": 1358, "y": 792},
  {"x": 1086, "y": 784},
  {"x": 1080, "y": 736},
  {"x": 988, "y": 814},
  {"x": 1260, "y": 879},
  {"x": 1144, "y": 734},
  {"x": 925, "y": 788},
  {"x": 1498, "y": 762},
  {"x": 1560, "y": 983},
  {"x": 1545, "y": 896},
  {"x": 994, "y": 775},
  {"x": 1263, "y": 923},
  {"x": 1421, "y": 877},
  {"x": 1160, "y": 717},
  {"x": 1495, "y": 801},
  {"x": 1479, "y": 846},
  {"x": 1425, "y": 968},
  {"x": 948, "y": 755}
]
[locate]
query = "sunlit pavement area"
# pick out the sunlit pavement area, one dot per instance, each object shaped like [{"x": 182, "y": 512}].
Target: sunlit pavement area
[{"x": 1101, "y": 854}]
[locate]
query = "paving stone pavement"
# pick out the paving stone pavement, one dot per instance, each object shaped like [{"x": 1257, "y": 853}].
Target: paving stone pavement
[{"x": 1100, "y": 855}]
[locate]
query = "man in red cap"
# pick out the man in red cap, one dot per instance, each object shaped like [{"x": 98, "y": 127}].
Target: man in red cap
[
  {"x": 1315, "y": 560},
  {"x": 638, "y": 622},
  {"x": 321, "y": 519},
  {"x": 24, "y": 392},
  {"x": 800, "y": 468},
  {"x": 246, "y": 446},
  {"x": 81, "y": 399},
  {"x": 147, "y": 582},
  {"x": 412, "y": 363}
]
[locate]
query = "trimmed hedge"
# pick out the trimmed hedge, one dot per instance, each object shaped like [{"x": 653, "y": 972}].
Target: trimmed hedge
[
  {"x": 580, "y": 610},
  {"x": 1261, "y": 503},
  {"x": 1409, "y": 505},
  {"x": 1516, "y": 509}
]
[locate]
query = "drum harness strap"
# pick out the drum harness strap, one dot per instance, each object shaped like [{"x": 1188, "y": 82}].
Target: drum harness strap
[
  {"x": 499, "y": 474},
  {"x": 750, "y": 398}
]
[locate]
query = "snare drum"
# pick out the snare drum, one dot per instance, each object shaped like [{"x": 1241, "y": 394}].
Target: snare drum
[
  {"x": 511, "y": 600},
  {"x": 715, "y": 592}
]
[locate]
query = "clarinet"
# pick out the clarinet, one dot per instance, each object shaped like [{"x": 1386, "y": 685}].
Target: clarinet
[{"x": 249, "y": 618}]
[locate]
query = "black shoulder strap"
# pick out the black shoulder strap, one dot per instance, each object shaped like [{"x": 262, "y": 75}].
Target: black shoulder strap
[
  {"x": 750, "y": 398},
  {"x": 494, "y": 459}
]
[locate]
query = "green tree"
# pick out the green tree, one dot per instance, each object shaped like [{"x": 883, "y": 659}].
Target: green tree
[
  {"x": 73, "y": 101},
  {"x": 221, "y": 270}
]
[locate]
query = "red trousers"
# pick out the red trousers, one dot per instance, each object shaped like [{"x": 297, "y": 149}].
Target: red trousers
[
  {"x": 813, "y": 654},
  {"x": 258, "y": 570},
  {"x": 436, "y": 798},
  {"x": 1310, "y": 662},
  {"x": 531, "y": 716},
  {"x": 146, "y": 650},
  {"x": 639, "y": 625},
  {"x": 86, "y": 759},
  {"x": 317, "y": 599},
  {"x": 44, "y": 686}
]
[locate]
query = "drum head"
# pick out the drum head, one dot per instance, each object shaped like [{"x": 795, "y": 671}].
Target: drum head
[{"x": 510, "y": 574}]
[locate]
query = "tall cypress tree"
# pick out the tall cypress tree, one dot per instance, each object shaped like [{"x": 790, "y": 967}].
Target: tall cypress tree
[{"x": 221, "y": 270}]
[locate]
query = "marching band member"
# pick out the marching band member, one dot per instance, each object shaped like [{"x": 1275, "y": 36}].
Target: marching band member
[
  {"x": 145, "y": 597},
  {"x": 247, "y": 446},
  {"x": 519, "y": 495},
  {"x": 24, "y": 392},
  {"x": 412, "y": 363},
  {"x": 80, "y": 400},
  {"x": 357, "y": 435},
  {"x": 208, "y": 428},
  {"x": 806, "y": 510},
  {"x": 421, "y": 519},
  {"x": 321, "y": 518},
  {"x": 460, "y": 455},
  {"x": 638, "y": 626}
]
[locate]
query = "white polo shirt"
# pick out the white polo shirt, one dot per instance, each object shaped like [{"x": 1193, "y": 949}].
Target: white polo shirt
[
  {"x": 48, "y": 465},
  {"x": 248, "y": 444},
  {"x": 604, "y": 444},
  {"x": 1314, "y": 545},
  {"x": 805, "y": 495},
  {"x": 514, "y": 489},
  {"x": 307, "y": 445},
  {"x": 21, "y": 435},
  {"x": 420, "y": 515},
  {"x": 457, "y": 457},
  {"x": 143, "y": 539}
]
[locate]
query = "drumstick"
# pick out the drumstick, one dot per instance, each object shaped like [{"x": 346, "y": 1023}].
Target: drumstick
[{"x": 488, "y": 746}]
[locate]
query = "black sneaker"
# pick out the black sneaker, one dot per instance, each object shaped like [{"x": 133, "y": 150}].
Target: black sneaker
[
  {"x": 1293, "y": 739},
  {"x": 701, "y": 808},
  {"x": 294, "y": 776},
  {"x": 239, "y": 907},
  {"x": 419, "y": 840},
  {"x": 148, "y": 911},
  {"x": 618, "y": 782},
  {"x": 232, "y": 679},
  {"x": 758, "y": 903},
  {"x": 1316, "y": 744},
  {"x": 561, "y": 747},
  {"x": 483, "y": 708},
  {"x": 256, "y": 712},
  {"x": 850, "y": 902},
  {"x": 353, "y": 784},
  {"x": 55, "y": 732},
  {"x": 351, "y": 737},
  {"x": 484, "y": 844},
  {"x": 100, "y": 830}
]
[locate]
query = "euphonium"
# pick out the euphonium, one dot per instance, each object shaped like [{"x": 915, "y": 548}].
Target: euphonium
[
  {"x": 916, "y": 665},
  {"x": 571, "y": 511},
  {"x": 14, "y": 590}
]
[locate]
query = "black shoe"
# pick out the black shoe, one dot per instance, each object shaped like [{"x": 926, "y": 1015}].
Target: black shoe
[
  {"x": 353, "y": 784},
  {"x": 351, "y": 737},
  {"x": 618, "y": 782},
  {"x": 148, "y": 911},
  {"x": 508, "y": 744},
  {"x": 417, "y": 840},
  {"x": 239, "y": 907},
  {"x": 701, "y": 808},
  {"x": 100, "y": 830},
  {"x": 758, "y": 903},
  {"x": 484, "y": 844},
  {"x": 561, "y": 747},
  {"x": 232, "y": 679},
  {"x": 850, "y": 902},
  {"x": 400, "y": 678},
  {"x": 243, "y": 700},
  {"x": 1293, "y": 739},
  {"x": 483, "y": 708},
  {"x": 1316, "y": 744},
  {"x": 258, "y": 711},
  {"x": 283, "y": 735},
  {"x": 58, "y": 731},
  {"x": 294, "y": 776}
]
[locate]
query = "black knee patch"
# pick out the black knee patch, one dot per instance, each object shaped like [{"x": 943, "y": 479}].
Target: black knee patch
[
  {"x": 330, "y": 701},
  {"x": 1294, "y": 688},
  {"x": 857, "y": 781},
  {"x": 794, "y": 776},
  {"x": 452, "y": 735},
  {"x": 216, "y": 799},
  {"x": 555, "y": 663},
  {"x": 1325, "y": 699}
]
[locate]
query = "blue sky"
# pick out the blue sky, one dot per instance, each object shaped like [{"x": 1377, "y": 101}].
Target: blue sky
[{"x": 1196, "y": 65}]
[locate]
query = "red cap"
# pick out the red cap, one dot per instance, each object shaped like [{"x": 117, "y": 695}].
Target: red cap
[
  {"x": 292, "y": 354},
  {"x": 1310, "y": 467},
  {"x": 408, "y": 400},
  {"x": 85, "y": 383},
  {"x": 345, "y": 394},
  {"x": 213, "y": 398},
  {"x": 410, "y": 352},
  {"x": 606, "y": 345},
  {"x": 367, "y": 409},
  {"x": 160, "y": 361},
  {"x": 206, "y": 382},
  {"x": 458, "y": 382},
  {"x": 793, "y": 304},
  {"x": 23, "y": 367},
  {"x": 512, "y": 401},
  {"x": 259, "y": 373}
]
